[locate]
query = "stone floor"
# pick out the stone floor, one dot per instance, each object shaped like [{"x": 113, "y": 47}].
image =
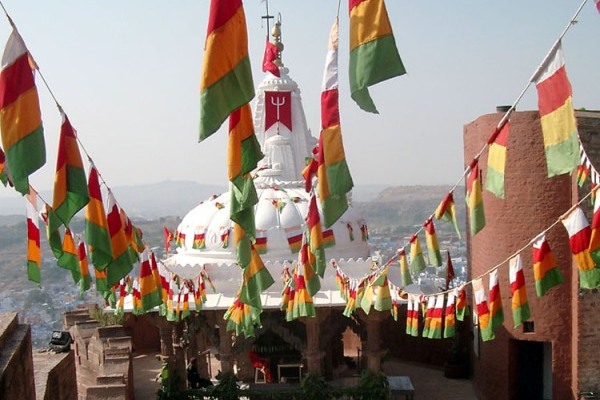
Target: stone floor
[{"x": 429, "y": 383}]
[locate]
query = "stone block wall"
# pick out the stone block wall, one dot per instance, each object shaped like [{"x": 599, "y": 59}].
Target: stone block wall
[
  {"x": 55, "y": 377},
  {"x": 16, "y": 361}
]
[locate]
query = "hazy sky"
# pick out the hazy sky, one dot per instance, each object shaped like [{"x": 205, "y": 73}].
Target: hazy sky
[{"x": 127, "y": 74}]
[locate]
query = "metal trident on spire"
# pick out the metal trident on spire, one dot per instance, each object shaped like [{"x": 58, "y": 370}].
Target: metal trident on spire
[{"x": 267, "y": 17}]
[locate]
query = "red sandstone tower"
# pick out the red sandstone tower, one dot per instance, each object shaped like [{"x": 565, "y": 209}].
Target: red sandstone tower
[{"x": 553, "y": 355}]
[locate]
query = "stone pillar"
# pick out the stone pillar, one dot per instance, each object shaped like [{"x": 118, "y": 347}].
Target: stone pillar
[
  {"x": 313, "y": 353},
  {"x": 166, "y": 340},
  {"x": 226, "y": 354},
  {"x": 179, "y": 353},
  {"x": 374, "y": 352}
]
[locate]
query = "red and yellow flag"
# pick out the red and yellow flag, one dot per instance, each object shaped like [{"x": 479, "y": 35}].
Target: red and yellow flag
[
  {"x": 433, "y": 247},
  {"x": 70, "y": 190},
  {"x": 579, "y": 232},
  {"x": 20, "y": 117},
  {"x": 546, "y": 272},
  {"x": 498, "y": 145},
  {"x": 495, "y": 301},
  {"x": 69, "y": 258},
  {"x": 373, "y": 54},
  {"x": 121, "y": 263},
  {"x": 474, "y": 199},
  {"x": 483, "y": 311},
  {"x": 96, "y": 226},
  {"x": 84, "y": 269},
  {"x": 34, "y": 254},
  {"x": 518, "y": 291},
  {"x": 447, "y": 212},
  {"x": 226, "y": 81},
  {"x": 450, "y": 316}
]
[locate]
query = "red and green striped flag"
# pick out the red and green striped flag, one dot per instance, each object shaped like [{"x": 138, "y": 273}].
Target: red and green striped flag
[
  {"x": 307, "y": 262},
  {"x": 449, "y": 270},
  {"x": 518, "y": 291},
  {"x": 199, "y": 238},
  {"x": 334, "y": 179},
  {"x": 594, "y": 246},
  {"x": 84, "y": 268},
  {"x": 474, "y": 199},
  {"x": 405, "y": 278},
  {"x": 450, "y": 316},
  {"x": 101, "y": 286},
  {"x": 70, "y": 189},
  {"x": 373, "y": 54},
  {"x": 495, "y": 301},
  {"x": 462, "y": 308},
  {"x": 483, "y": 311},
  {"x": 417, "y": 261},
  {"x": 122, "y": 262},
  {"x": 428, "y": 316},
  {"x": 226, "y": 82},
  {"x": 498, "y": 145},
  {"x": 242, "y": 318},
  {"x": 546, "y": 272},
  {"x": 414, "y": 321},
  {"x": 409, "y": 316},
  {"x": 96, "y": 226},
  {"x": 69, "y": 258},
  {"x": 579, "y": 232},
  {"x": 3, "y": 175},
  {"x": 557, "y": 116},
  {"x": 34, "y": 254},
  {"x": 435, "y": 326},
  {"x": 20, "y": 116},
  {"x": 447, "y": 211},
  {"x": 256, "y": 278},
  {"x": 316, "y": 239},
  {"x": 303, "y": 305},
  {"x": 150, "y": 296},
  {"x": 433, "y": 247},
  {"x": 382, "y": 298}
]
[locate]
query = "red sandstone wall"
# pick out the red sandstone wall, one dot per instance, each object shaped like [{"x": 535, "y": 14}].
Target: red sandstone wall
[
  {"x": 533, "y": 202},
  {"x": 145, "y": 335}
]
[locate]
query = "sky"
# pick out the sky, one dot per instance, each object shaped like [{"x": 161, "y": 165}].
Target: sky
[{"x": 127, "y": 74}]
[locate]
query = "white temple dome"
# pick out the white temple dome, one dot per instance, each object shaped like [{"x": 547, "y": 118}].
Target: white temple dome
[{"x": 205, "y": 233}]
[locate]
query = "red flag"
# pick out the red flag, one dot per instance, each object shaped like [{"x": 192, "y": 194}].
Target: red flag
[
  {"x": 168, "y": 238},
  {"x": 278, "y": 108},
  {"x": 449, "y": 270},
  {"x": 271, "y": 55}
]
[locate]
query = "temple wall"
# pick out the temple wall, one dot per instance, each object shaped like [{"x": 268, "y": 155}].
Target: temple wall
[{"x": 16, "y": 361}]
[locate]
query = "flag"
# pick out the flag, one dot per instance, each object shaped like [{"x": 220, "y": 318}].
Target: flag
[
  {"x": 433, "y": 248},
  {"x": 138, "y": 308},
  {"x": 334, "y": 179},
  {"x": 428, "y": 315},
  {"x": 96, "y": 226},
  {"x": 69, "y": 259},
  {"x": 241, "y": 318},
  {"x": 294, "y": 237},
  {"x": 417, "y": 261},
  {"x": 435, "y": 326},
  {"x": 20, "y": 117},
  {"x": 256, "y": 278},
  {"x": 101, "y": 286},
  {"x": 518, "y": 291},
  {"x": 449, "y": 270},
  {"x": 462, "y": 309},
  {"x": 179, "y": 239},
  {"x": 278, "y": 109},
  {"x": 260, "y": 244},
  {"x": 133, "y": 235},
  {"x": 168, "y": 235},
  {"x": 583, "y": 169},
  {"x": 70, "y": 189},
  {"x": 150, "y": 297},
  {"x": 594, "y": 246},
  {"x": 373, "y": 54},
  {"x": 199, "y": 238},
  {"x": 354, "y": 287},
  {"x": 405, "y": 278},
  {"x": 545, "y": 271},
  {"x": 474, "y": 199},
  {"x": 350, "y": 231},
  {"x": 382, "y": 298},
  {"x": 498, "y": 145},
  {"x": 447, "y": 211},
  {"x": 226, "y": 81},
  {"x": 414, "y": 328},
  {"x": 328, "y": 238},
  {"x": 3, "y": 175},
  {"x": 224, "y": 236},
  {"x": 409, "y": 316},
  {"x": 121, "y": 263},
  {"x": 364, "y": 231},
  {"x": 598, "y": 5},
  {"x": 557, "y": 116},
  {"x": 303, "y": 301},
  {"x": 306, "y": 264},
  {"x": 483, "y": 311},
  {"x": 450, "y": 317},
  {"x": 84, "y": 269},
  {"x": 316, "y": 238},
  {"x": 271, "y": 54},
  {"x": 34, "y": 254},
  {"x": 579, "y": 239},
  {"x": 495, "y": 301}
]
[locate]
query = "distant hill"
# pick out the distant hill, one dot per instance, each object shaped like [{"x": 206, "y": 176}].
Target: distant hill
[
  {"x": 400, "y": 208},
  {"x": 141, "y": 201}
]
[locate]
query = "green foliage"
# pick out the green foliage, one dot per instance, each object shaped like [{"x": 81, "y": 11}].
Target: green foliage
[
  {"x": 106, "y": 319},
  {"x": 373, "y": 385},
  {"x": 314, "y": 387},
  {"x": 227, "y": 388}
]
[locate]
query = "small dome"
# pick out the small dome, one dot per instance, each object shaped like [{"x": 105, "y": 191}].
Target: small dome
[{"x": 280, "y": 221}]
